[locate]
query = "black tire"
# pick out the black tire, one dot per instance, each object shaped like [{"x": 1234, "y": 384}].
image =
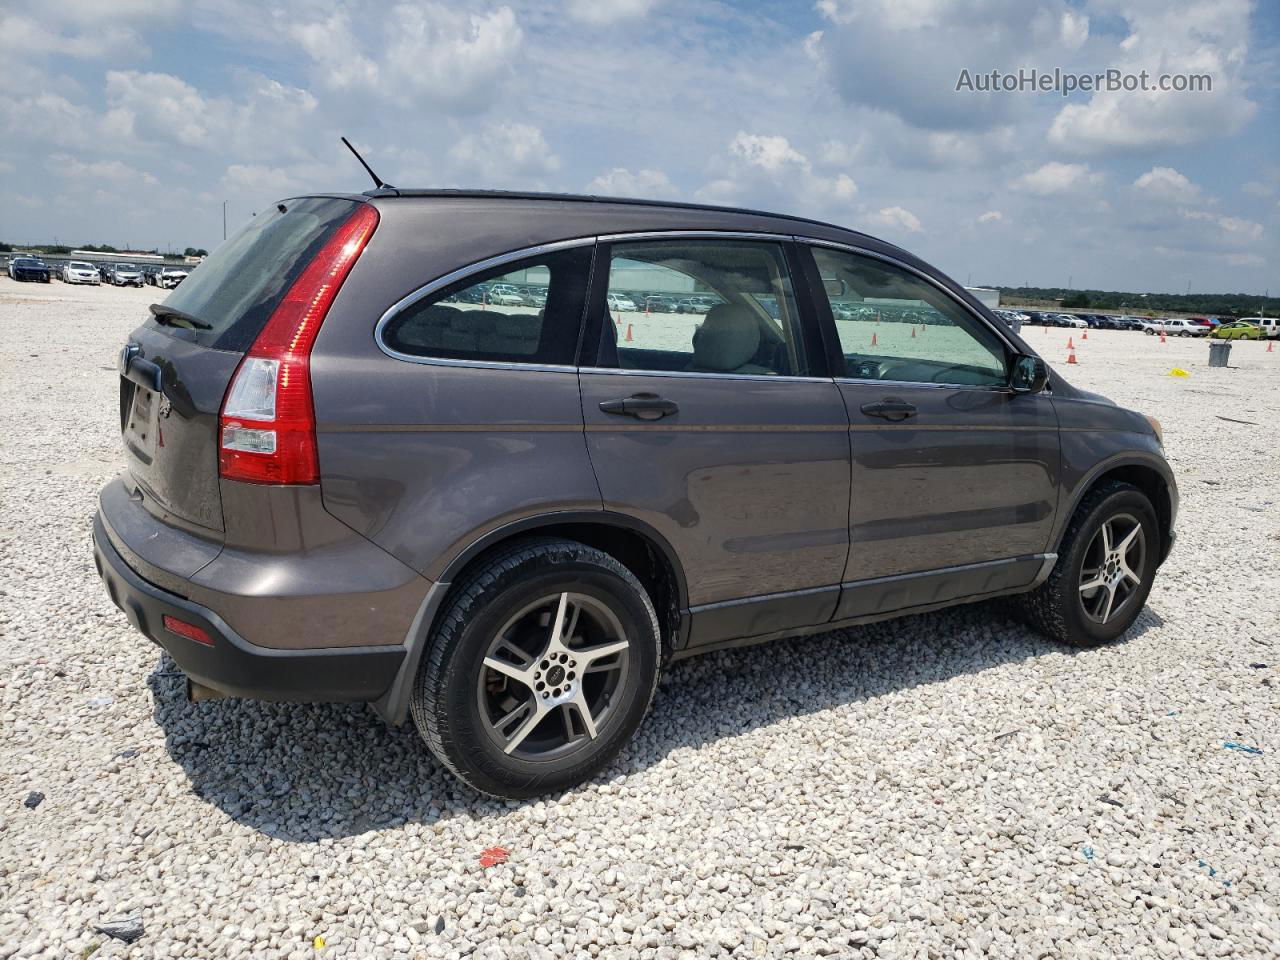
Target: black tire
[
  {"x": 1056, "y": 607},
  {"x": 1149, "y": 332},
  {"x": 446, "y": 704}
]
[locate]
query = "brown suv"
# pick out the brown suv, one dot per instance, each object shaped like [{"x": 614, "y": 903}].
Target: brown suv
[{"x": 431, "y": 450}]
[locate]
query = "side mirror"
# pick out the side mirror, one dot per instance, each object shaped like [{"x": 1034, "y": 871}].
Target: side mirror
[
  {"x": 1029, "y": 374},
  {"x": 835, "y": 287}
]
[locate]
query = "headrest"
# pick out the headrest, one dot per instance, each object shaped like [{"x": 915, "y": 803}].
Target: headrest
[{"x": 727, "y": 338}]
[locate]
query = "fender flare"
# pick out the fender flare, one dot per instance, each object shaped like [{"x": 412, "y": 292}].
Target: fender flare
[
  {"x": 1126, "y": 459},
  {"x": 393, "y": 706}
]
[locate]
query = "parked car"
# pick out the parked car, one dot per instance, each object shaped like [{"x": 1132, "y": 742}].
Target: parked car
[
  {"x": 1071, "y": 320},
  {"x": 1174, "y": 327},
  {"x": 1013, "y": 318},
  {"x": 501, "y": 527},
  {"x": 126, "y": 275},
  {"x": 505, "y": 295},
  {"x": 77, "y": 271},
  {"x": 104, "y": 271},
  {"x": 693, "y": 305},
  {"x": 1127, "y": 323},
  {"x": 617, "y": 302},
  {"x": 170, "y": 277},
  {"x": 1237, "y": 330},
  {"x": 1269, "y": 326},
  {"x": 30, "y": 269}
]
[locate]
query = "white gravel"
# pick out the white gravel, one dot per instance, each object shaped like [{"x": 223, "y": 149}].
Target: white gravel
[{"x": 941, "y": 786}]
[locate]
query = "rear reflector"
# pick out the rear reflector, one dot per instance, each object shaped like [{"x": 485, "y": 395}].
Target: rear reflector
[
  {"x": 267, "y": 430},
  {"x": 188, "y": 630}
]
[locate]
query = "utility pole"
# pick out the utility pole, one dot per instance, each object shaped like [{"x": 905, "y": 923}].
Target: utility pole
[{"x": 224, "y": 219}]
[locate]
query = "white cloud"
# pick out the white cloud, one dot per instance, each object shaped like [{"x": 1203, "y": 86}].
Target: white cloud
[
  {"x": 608, "y": 11},
  {"x": 991, "y": 216},
  {"x": 329, "y": 44},
  {"x": 1166, "y": 183},
  {"x": 1185, "y": 38},
  {"x": 897, "y": 218},
  {"x": 1055, "y": 178},
  {"x": 158, "y": 104},
  {"x": 1235, "y": 229},
  {"x": 904, "y": 57},
  {"x": 444, "y": 55},
  {"x": 98, "y": 170},
  {"x": 770, "y": 154},
  {"x": 621, "y": 182},
  {"x": 504, "y": 154}
]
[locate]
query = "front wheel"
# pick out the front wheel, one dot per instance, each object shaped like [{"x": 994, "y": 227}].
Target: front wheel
[
  {"x": 1106, "y": 564},
  {"x": 540, "y": 671}
]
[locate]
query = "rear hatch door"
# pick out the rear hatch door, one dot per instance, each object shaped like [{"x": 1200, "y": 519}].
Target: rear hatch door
[{"x": 175, "y": 368}]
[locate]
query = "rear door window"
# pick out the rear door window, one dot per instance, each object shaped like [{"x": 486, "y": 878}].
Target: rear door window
[
  {"x": 703, "y": 306},
  {"x": 236, "y": 289},
  {"x": 524, "y": 312}
]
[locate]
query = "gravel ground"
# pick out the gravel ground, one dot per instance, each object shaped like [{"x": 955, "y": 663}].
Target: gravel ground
[{"x": 939, "y": 786}]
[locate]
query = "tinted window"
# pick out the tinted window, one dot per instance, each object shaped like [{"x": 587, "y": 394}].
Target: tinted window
[
  {"x": 706, "y": 306},
  {"x": 893, "y": 325},
  {"x": 529, "y": 312},
  {"x": 239, "y": 285}
]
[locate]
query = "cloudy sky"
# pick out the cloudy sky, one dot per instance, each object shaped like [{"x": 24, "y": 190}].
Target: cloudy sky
[{"x": 131, "y": 121}]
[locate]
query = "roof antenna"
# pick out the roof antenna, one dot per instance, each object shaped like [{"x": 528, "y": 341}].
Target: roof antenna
[{"x": 377, "y": 181}]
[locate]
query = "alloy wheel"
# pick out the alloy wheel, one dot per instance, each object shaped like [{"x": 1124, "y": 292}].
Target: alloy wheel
[
  {"x": 552, "y": 675},
  {"x": 1110, "y": 576}
]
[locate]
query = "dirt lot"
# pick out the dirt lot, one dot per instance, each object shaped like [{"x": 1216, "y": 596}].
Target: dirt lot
[{"x": 943, "y": 785}]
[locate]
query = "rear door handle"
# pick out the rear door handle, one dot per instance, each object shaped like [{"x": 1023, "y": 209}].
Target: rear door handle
[
  {"x": 890, "y": 408},
  {"x": 642, "y": 406}
]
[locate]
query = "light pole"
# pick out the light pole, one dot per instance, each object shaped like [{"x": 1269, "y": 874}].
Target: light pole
[{"x": 224, "y": 219}]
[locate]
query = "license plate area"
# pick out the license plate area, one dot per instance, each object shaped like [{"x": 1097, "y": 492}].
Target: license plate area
[{"x": 140, "y": 416}]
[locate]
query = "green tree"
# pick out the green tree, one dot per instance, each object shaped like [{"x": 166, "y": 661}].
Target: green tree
[{"x": 1077, "y": 299}]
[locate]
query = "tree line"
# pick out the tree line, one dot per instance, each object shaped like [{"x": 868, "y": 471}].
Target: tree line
[
  {"x": 1208, "y": 304},
  {"x": 59, "y": 249}
]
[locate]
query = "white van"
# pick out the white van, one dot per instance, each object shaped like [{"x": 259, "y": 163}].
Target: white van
[{"x": 1270, "y": 326}]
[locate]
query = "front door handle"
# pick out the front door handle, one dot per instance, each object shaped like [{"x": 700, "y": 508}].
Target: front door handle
[
  {"x": 642, "y": 406},
  {"x": 890, "y": 408}
]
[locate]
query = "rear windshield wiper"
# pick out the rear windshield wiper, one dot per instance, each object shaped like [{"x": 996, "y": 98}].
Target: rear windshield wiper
[{"x": 171, "y": 317}]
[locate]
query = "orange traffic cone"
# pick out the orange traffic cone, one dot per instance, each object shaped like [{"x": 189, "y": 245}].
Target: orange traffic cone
[
  {"x": 1071, "y": 357},
  {"x": 1162, "y": 340},
  {"x": 873, "y": 338},
  {"x": 628, "y": 340},
  {"x": 1269, "y": 344},
  {"x": 1085, "y": 335},
  {"x": 1070, "y": 345},
  {"x": 484, "y": 300},
  {"x": 877, "y": 317},
  {"x": 913, "y": 332}
]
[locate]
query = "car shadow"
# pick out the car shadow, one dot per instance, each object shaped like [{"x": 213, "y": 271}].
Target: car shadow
[{"x": 306, "y": 772}]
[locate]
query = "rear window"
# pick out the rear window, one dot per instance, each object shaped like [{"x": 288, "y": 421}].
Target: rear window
[{"x": 235, "y": 290}]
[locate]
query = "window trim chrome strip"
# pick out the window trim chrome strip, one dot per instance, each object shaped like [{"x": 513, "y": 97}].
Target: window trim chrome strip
[{"x": 524, "y": 253}]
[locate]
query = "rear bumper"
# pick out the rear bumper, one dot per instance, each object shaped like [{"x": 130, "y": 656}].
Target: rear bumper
[{"x": 233, "y": 665}]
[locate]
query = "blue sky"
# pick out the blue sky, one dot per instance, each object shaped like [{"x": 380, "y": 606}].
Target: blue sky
[{"x": 131, "y": 122}]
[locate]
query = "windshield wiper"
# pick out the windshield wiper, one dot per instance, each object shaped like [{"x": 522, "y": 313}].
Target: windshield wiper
[{"x": 172, "y": 317}]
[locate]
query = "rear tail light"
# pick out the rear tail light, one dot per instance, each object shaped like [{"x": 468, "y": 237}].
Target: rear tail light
[{"x": 267, "y": 430}]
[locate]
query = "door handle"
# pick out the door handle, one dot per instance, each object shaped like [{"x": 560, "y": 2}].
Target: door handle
[
  {"x": 642, "y": 406},
  {"x": 890, "y": 408}
]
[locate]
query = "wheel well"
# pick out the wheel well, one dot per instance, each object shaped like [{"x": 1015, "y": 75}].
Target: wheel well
[
  {"x": 649, "y": 563},
  {"x": 1150, "y": 482}
]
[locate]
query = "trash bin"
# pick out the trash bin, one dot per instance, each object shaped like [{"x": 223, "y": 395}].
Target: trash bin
[{"x": 1219, "y": 352}]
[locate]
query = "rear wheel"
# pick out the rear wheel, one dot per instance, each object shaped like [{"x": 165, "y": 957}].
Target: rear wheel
[
  {"x": 540, "y": 670},
  {"x": 1104, "y": 571}
]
